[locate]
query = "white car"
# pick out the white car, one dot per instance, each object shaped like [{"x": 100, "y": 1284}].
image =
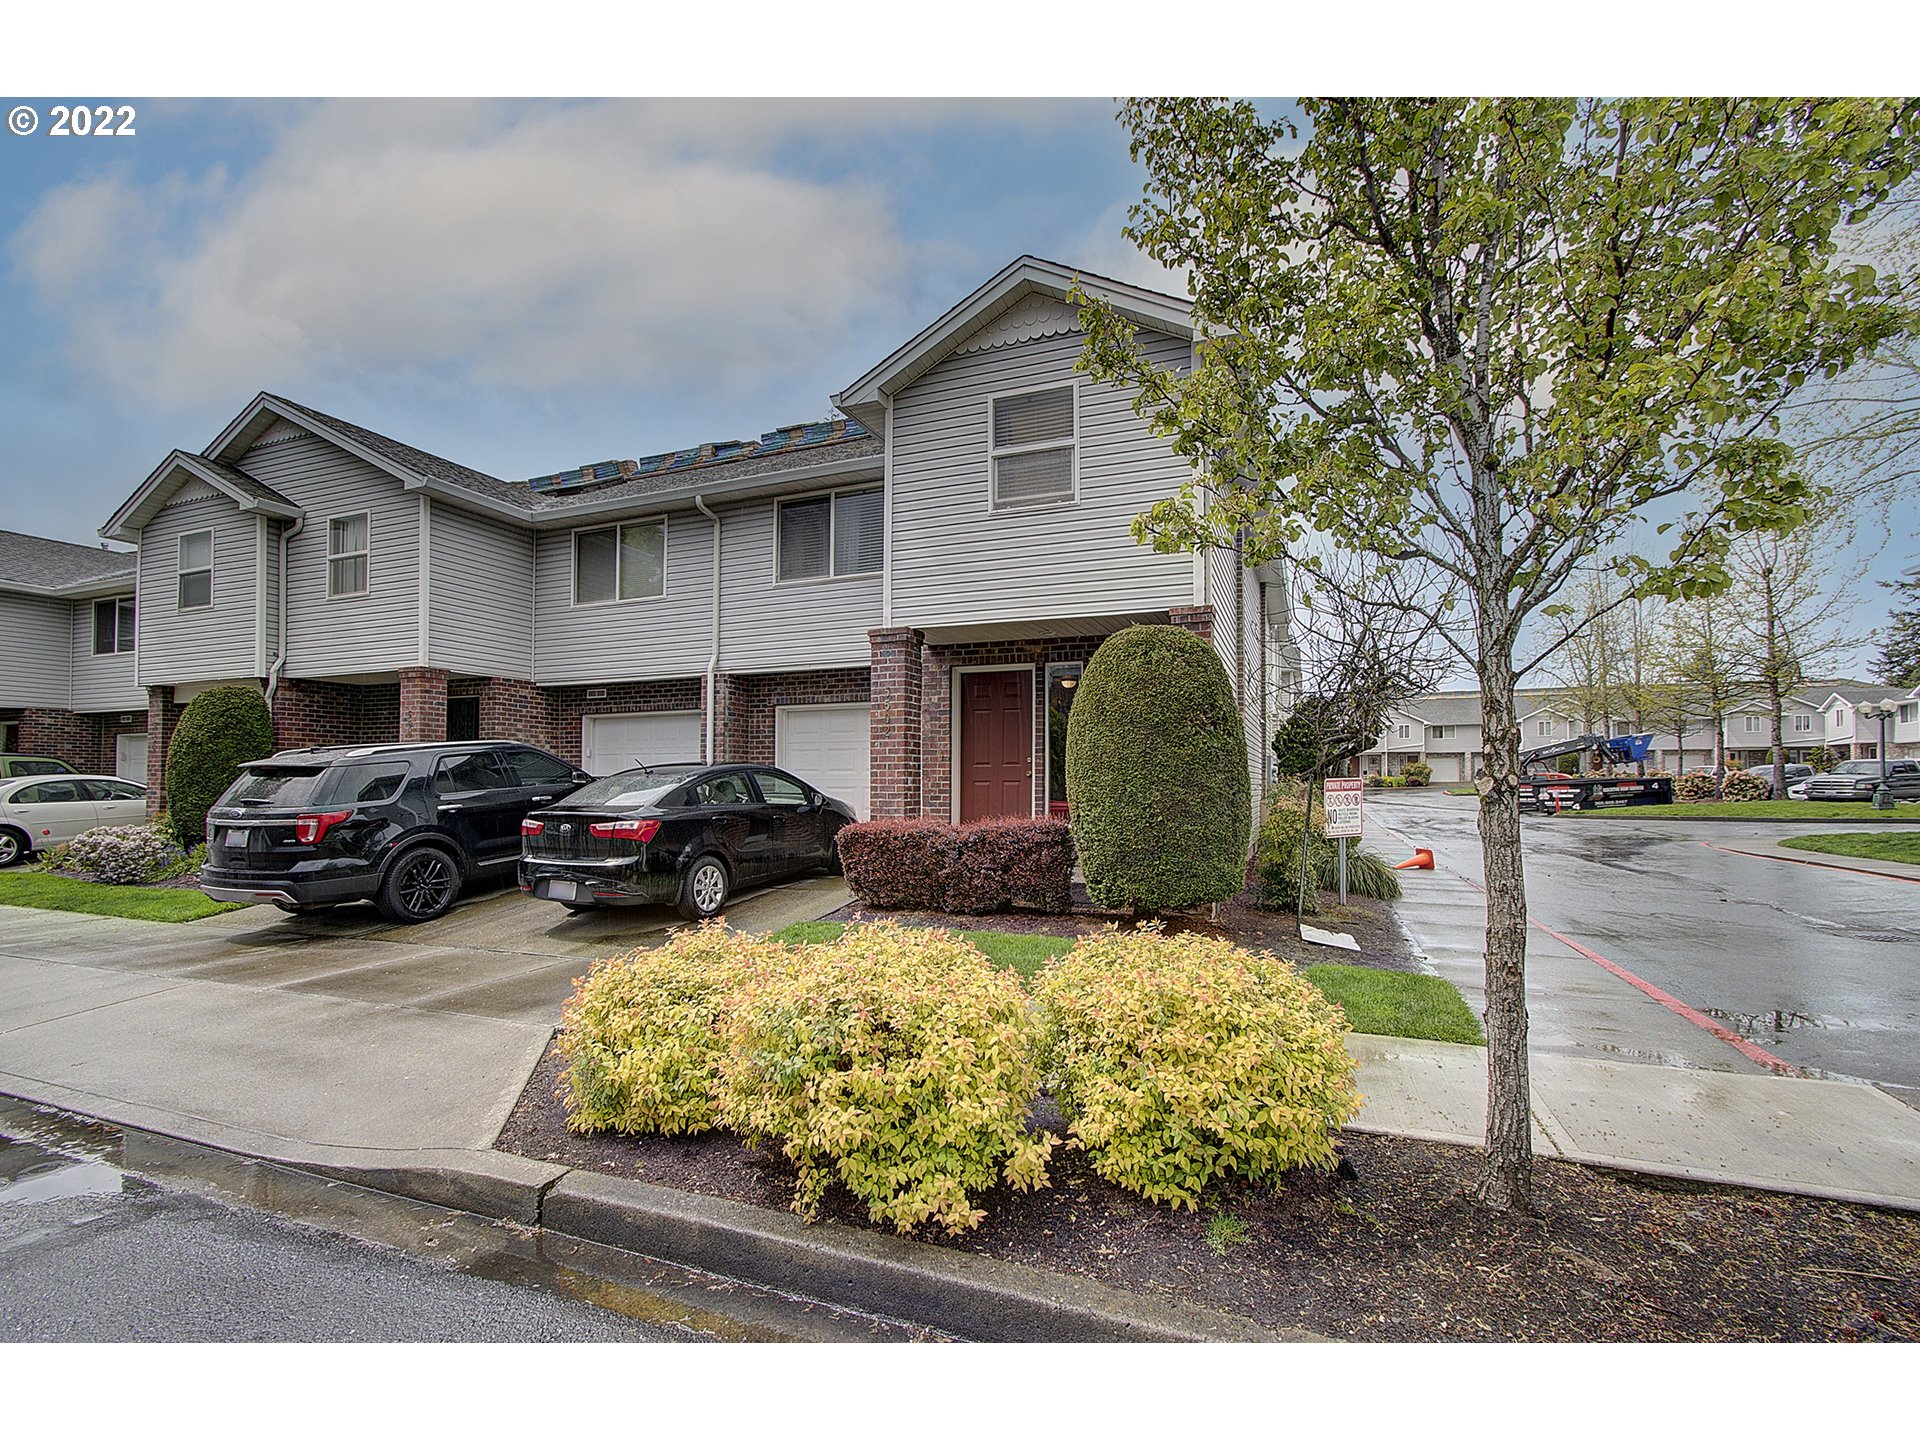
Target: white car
[{"x": 42, "y": 811}]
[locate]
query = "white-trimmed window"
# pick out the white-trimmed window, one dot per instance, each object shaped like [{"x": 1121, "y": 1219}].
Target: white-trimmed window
[
  {"x": 113, "y": 625},
  {"x": 1434, "y": 732},
  {"x": 620, "y": 562},
  {"x": 1404, "y": 731},
  {"x": 348, "y": 546},
  {"x": 194, "y": 578},
  {"x": 839, "y": 533},
  {"x": 1753, "y": 723},
  {"x": 1803, "y": 724},
  {"x": 1032, "y": 448},
  {"x": 1909, "y": 712},
  {"x": 1543, "y": 728}
]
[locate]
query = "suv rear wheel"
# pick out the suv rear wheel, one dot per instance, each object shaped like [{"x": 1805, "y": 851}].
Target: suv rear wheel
[{"x": 422, "y": 884}]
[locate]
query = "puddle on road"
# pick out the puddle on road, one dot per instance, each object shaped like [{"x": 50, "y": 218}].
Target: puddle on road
[
  {"x": 1769, "y": 1025},
  {"x": 48, "y": 1155},
  {"x": 32, "y": 1175}
]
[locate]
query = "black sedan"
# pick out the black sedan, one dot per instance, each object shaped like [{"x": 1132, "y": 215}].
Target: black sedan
[{"x": 689, "y": 835}]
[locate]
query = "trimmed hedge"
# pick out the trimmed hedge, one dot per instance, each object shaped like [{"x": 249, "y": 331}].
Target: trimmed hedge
[
  {"x": 1157, "y": 773},
  {"x": 1180, "y": 1059},
  {"x": 220, "y": 731},
  {"x": 971, "y": 869}
]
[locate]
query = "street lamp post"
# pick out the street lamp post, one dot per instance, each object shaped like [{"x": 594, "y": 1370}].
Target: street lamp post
[{"x": 1883, "y": 712}]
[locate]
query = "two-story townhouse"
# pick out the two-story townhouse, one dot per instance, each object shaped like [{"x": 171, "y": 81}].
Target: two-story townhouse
[
  {"x": 897, "y": 605},
  {"x": 68, "y": 635}
]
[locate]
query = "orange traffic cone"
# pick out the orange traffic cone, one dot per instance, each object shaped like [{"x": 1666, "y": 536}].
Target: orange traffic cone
[{"x": 1422, "y": 860}]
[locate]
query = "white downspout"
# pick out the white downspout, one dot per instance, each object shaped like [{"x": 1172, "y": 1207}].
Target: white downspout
[
  {"x": 713, "y": 658},
  {"x": 280, "y": 654}
]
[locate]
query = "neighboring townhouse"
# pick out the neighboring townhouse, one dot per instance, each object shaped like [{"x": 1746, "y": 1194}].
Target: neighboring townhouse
[
  {"x": 67, "y": 647},
  {"x": 1857, "y": 736},
  {"x": 897, "y": 604}
]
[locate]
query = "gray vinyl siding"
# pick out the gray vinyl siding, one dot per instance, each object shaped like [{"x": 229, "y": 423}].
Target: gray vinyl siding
[
  {"x": 101, "y": 682},
  {"x": 1235, "y": 598},
  {"x": 350, "y": 635},
  {"x": 270, "y": 584},
  {"x": 955, "y": 561},
  {"x": 798, "y": 625},
  {"x": 628, "y": 640},
  {"x": 35, "y": 652},
  {"x": 217, "y": 643},
  {"x": 480, "y": 606}
]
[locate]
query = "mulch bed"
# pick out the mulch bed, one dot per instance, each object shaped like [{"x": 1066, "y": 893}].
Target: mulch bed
[
  {"x": 1392, "y": 1250},
  {"x": 1383, "y": 941}
]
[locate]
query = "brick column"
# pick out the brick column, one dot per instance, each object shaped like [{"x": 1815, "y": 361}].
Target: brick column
[
  {"x": 423, "y": 704},
  {"x": 895, "y": 698},
  {"x": 726, "y": 710},
  {"x": 1197, "y": 618},
  {"x": 162, "y": 716}
]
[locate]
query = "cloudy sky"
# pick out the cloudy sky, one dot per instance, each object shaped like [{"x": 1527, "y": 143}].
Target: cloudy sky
[{"x": 523, "y": 286}]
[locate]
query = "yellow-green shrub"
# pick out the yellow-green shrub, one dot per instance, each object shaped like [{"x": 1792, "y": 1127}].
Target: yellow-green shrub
[
  {"x": 642, "y": 1032},
  {"x": 897, "y": 1061},
  {"x": 1179, "y": 1059}
]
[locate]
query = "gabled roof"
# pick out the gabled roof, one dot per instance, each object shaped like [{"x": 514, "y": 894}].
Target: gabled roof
[
  {"x": 174, "y": 471},
  {"x": 865, "y": 398},
  {"x": 407, "y": 462},
  {"x": 35, "y": 565},
  {"x": 1857, "y": 694}
]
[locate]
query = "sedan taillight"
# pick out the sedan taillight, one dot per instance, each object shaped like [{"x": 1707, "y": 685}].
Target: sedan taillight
[
  {"x": 641, "y": 830},
  {"x": 532, "y": 827},
  {"x": 311, "y": 829}
]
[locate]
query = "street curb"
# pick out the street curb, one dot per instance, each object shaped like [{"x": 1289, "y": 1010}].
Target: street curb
[
  {"x": 972, "y": 1297},
  {"x": 1909, "y": 873}
]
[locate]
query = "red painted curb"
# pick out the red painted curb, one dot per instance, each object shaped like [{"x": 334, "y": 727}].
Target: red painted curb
[{"x": 1816, "y": 864}]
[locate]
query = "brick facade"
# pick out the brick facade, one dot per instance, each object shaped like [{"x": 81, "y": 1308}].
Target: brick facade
[
  {"x": 324, "y": 712},
  {"x": 896, "y": 690},
  {"x": 1197, "y": 618},
  {"x": 748, "y": 704},
  {"x": 423, "y": 704},
  {"x": 163, "y": 715},
  {"x": 88, "y": 742},
  {"x": 567, "y": 707},
  {"x": 515, "y": 710}
]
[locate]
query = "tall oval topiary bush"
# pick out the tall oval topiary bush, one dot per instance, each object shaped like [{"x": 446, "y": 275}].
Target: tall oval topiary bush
[
  {"x": 1157, "y": 782},
  {"x": 220, "y": 731}
]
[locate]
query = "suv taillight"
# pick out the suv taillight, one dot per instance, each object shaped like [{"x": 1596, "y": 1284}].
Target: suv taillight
[
  {"x": 641, "y": 830},
  {"x": 312, "y": 829},
  {"x": 532, "y": 827}
]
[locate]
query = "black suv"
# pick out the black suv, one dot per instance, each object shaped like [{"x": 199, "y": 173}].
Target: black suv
[{"x": 404, "y": 826}]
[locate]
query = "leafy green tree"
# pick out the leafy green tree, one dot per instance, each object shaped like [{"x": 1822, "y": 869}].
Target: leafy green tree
[
  {"x": 1487, "y": 338},
  {"x": 1899, "y": 662}
]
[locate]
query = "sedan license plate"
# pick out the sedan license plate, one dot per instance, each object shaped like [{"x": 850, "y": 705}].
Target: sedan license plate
[{"x": 562, "y": 890}]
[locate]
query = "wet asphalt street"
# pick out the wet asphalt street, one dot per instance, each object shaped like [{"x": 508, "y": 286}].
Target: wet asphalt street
[{"x": 1820, "y": 966}]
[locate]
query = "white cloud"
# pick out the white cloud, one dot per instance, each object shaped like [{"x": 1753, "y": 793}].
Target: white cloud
[{"x": 531, "y": 248}]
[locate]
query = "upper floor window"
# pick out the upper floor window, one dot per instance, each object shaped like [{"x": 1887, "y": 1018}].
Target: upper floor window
[
  {"x": 843, "y": 533},
  {"x": 113, "y": 626},
  {"x": 1543, "y": 728},
  {"x": 1803, "y": 724},
  {"x": 1434, "y": 732},
  {"x": 1033, "y": 448},
  {"x": 195, "y": 570},
  {"x": 1909, "y": 712},
  {"x": 347, "y": 550},
  {"x": 620, "y": 562},
  {"x": 1404, "y": 729},
  {"x": 1753, "y": 724}
]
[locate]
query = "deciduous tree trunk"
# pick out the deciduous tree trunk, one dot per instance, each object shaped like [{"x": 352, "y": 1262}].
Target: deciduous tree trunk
[{"x": 1506, "y": 1177}]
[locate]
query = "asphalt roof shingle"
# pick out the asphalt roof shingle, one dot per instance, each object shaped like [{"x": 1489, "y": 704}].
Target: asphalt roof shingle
[{"x": 45, "y": 564}]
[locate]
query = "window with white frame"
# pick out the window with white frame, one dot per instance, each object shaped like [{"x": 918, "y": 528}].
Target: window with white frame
[
  {"x": 840, "y": 533},
  {"x": 1032, "y": 449},
  {"x": 1803, "y": 724},
  {"x": 1909, "y": 712},
  {"x": 194, "y": 587},
  {"x": 1543, "y": 728},
  {"x": 348, "y": 546},
  {"x": 620, "y": 562},
  {"x": 1753, "y": 724},
  {"x": 1406, "y": 732},
  {"x": 113, "y": 625}
]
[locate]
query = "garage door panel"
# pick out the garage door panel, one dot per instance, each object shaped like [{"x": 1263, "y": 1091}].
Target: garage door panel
[
  {"x": 828, "y": 746},
  {"x": 611, "y": 743}
]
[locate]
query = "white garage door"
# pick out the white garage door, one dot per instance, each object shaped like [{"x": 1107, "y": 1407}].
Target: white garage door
[
  {"x": 610, "y": 743},
  {"x": 1446, "y": 769},
  {"x": 130, "y": 757},
  {"x": 827, "y": 746}
]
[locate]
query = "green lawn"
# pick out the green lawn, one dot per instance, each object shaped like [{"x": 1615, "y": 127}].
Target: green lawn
[
  {"x": 1904, "y": 846},
  {"x": 1858, "y": 810},
  {"x": 129, "y": 902},
  {"x": 1387, "y": 1002},
  {"x": 1377, "y": 1002}
]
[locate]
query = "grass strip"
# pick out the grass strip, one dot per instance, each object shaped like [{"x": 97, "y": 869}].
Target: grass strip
[
  {"x": 1857, "y": 811},
  {"x": 1904, "y": 846},
  {"x": 128, "y": 902}
]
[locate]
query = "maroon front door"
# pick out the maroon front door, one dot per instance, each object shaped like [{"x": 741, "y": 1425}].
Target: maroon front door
[{"x": 996, "y": 744}]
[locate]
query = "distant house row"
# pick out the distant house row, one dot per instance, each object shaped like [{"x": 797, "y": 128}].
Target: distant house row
[
  {"x": 896, "y": 603},
  {"x": 1443, "y": 730}
]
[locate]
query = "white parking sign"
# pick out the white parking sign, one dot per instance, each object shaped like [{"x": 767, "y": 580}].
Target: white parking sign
[{"x": 1343, "y": 808}]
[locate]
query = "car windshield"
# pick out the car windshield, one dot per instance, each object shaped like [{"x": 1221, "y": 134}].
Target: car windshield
[
  {"x": 631, "y": 788},
  {"x": 277, "y": 786},
  {"x": 1857, "y": 767}
]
